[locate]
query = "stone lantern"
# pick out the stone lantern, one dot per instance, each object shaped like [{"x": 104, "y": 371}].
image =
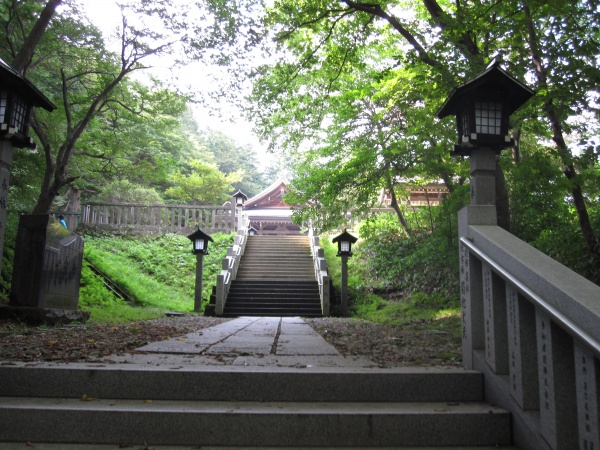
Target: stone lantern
[
  {"x": 482, "y": 107},
  {"x": 17, "y": 98},
  {"x": 239, "y": 198}
]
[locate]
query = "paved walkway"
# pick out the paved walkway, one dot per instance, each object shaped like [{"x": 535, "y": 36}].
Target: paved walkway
[{"x": 247, "y": 341}]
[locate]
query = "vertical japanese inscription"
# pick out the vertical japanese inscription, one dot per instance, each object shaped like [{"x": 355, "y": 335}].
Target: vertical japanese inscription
[
  {"x": 587, "y": 398},
  {"x": 464, "y": 286},
  {"x": 513, "y": 343},
  {"x": 544, "y": 344},
  {"x": 488, "y": 309}
]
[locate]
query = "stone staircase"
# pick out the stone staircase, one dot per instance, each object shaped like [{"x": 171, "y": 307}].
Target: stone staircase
[
  {"x": 276, "y": 277},
  {"x": 129, "y": 404}
]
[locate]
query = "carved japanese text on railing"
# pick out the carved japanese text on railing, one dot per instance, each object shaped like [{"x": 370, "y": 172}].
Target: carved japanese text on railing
[
  {"x": 179, "y": 219},
  {"x": 532, "y": 327}
]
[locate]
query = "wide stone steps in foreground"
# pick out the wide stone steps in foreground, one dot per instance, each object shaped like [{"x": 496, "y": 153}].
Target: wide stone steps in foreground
[{"x": 249, "y": 407}]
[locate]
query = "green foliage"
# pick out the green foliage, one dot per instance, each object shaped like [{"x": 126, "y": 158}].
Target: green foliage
[
  {"x": 204, "y": 184},
  {"x": 425, "y": 262},
  {"x": 123, "y": 191},
  {"x": 158, "y": 273}
]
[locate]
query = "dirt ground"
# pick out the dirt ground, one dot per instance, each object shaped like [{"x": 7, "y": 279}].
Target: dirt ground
[{"x": 386, "y": 346}]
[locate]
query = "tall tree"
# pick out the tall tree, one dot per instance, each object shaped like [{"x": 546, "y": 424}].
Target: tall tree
[{"x": 447, "y": 42}]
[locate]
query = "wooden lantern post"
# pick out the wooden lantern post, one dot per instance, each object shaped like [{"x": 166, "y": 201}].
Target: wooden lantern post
[{"x": 199, "y": 248}]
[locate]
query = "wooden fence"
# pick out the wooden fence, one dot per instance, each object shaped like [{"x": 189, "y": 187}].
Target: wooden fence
[{"x": 156, "y": 219}]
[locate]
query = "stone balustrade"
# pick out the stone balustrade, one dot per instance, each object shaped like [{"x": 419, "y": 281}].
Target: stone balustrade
[
  {"x": 230, "y": 265},
  {"x": 532, "y": 326},
  {"x": 157, "y": 219},
  {"x": 321, "y": 273}
]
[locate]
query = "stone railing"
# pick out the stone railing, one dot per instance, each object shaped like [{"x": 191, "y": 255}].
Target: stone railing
[
  {"x": 321, "y": 273},
  {"x": 230, "y": 265},
  {"x": 157, "y": 219},
  {"x": 532, "y": 327}
]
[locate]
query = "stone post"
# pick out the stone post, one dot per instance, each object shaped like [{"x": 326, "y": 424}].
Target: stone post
[
  {"x": 523, "y": 373},
  {"x": 587, "y": 375},
  {"x": 556, "y": 369},
  {"x": 5, "y": 164},
  {"x": 481, "y": 211},
  {"x": 494, "y": 311},
  {"x": 483, "y": 176}
]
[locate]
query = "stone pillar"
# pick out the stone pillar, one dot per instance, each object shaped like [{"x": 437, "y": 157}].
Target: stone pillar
[
  {"x": 5, "y": 163},
  {"x": 558, "y": 409},
  {"x": 587, "y": 376},
  {"x": 483, "y": 176},
  {"x": 481, "y": 211},
  {"x": 494, "y": 311},
  {"x": 523, "y": 370},
  {"x": 471, "y": 305}
]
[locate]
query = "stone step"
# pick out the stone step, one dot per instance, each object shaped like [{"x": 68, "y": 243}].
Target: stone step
[
  {"x": 161, "y": 422},
  {"x": 271, "y": 299},
  {"x": 276, "y": 276},
  {"x": 257, "y": 274},
  {"x": 258, "y": 384},
  {"x": 278, "y": 257},
  {"x": 272, "y": 312},
  {"x": 62, "y": 446},
  {"x": 253, "y": 286},
  {"x": 130, "y": 404}
]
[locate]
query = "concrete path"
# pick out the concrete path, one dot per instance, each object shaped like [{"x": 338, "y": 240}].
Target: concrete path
[{"x": 247, "y": 341}]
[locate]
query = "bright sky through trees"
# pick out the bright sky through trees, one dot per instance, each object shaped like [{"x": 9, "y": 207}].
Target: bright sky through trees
[{"x": 195, "y": 77}]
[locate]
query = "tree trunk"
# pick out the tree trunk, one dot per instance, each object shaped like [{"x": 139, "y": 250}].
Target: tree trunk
[
  {"x": 25, "y": 55},
  {"x": 396, "y": 208},
  {"x": 592, "y": 244}
]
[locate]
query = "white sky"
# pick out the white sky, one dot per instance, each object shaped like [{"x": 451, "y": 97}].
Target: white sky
[{"x": 107, "y": 16}]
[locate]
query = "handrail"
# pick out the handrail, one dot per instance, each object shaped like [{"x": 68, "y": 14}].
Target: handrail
[
  {"x": 321, "y": 274},
  {"x": 558, "y": 317},
  {"x": 229, "y": 266}
]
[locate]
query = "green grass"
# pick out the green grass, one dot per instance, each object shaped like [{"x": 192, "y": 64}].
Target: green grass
[
  {"x": 158, "y": 273},
  {"x": 420, "y": 311}
]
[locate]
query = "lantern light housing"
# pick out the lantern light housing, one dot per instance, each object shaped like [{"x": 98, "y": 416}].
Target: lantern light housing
[
  {"x": 17, "y": 98},
  {"x": 482, "y": 107},
  {"x": 240, "y": 198},
  {"x": 344, "y": 242},
  {"x": 200, "y": 242}
]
